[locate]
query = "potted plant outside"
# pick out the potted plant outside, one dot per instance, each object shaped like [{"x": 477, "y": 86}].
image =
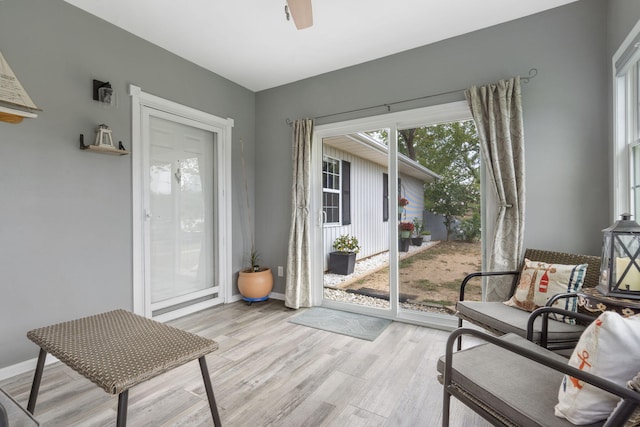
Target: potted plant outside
[
  {"x": 416, "y": 240},
  {"x": 343, "y": 260},
  {"x": 405, "y": 229},
  {"x": 426, "y": 235},
  {"x": 255, "y": 283}
]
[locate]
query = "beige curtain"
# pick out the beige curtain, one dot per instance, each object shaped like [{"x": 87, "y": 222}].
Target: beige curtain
[
  {"x": 298, "y": 280},
  {"x": 497, "y": 112}
]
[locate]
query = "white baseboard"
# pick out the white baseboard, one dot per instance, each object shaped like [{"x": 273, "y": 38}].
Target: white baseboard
[
  {"x": 276, "y": 295},
  {"x": 26, "y": 366}
]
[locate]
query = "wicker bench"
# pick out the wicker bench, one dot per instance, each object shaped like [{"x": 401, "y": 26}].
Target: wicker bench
[
  {"x": 500, "y": 319},
  {"x": 118, "y": 350}
]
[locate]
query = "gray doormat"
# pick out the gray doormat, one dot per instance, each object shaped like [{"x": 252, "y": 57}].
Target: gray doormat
[{"x": 342, "y": 322}]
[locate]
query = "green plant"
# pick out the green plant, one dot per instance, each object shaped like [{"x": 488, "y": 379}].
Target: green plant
[
  {"x": 346, "y": 243},
  {"x": 417, "y": 225},
  {"x": 470, "y": 230},
  {"x": 253, "y": 260},
  {"x": 425, "y": 233}
]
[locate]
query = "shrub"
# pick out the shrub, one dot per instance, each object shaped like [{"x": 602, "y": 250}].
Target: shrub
[
  {"x": 346, "y": 243},
  {"x": 470, "y": 230}
]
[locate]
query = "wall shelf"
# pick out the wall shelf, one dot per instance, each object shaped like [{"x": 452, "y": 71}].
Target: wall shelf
[{"x": 103, "y": 150}]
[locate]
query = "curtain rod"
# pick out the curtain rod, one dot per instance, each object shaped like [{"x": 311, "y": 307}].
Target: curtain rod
[{"x": 532, "y": 73}]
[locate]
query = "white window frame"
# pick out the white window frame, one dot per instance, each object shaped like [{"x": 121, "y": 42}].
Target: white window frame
[
  {"x": 626, "y": 133},
  {"x": 449, "y": 112},
  {"x": 337, "y": 191}
]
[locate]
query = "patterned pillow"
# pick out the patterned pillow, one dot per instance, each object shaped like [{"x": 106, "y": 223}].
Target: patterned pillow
[
  {"x": 540, "y": 281},
  {"x": 609, "y": 349}
]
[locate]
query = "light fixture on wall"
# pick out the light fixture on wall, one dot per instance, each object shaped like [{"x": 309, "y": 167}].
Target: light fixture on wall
[
  {"x": 103, "y": 92},
  {"x": 620, "y": 267}
]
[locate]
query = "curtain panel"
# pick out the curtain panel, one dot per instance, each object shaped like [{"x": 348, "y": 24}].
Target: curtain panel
[
  {"x": 298, "y": 278},
  {"x": 497, "y": 112}
]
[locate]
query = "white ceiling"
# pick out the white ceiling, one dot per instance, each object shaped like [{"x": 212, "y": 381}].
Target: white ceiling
[{"x": 251, "y": 43}]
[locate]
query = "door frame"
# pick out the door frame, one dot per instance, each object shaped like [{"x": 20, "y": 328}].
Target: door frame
[
  {"x": 140, "y": 101},
  {"x": 392, "y": 121}
]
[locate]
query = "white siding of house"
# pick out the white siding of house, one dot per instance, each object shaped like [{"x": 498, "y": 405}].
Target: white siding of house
[
  {"x": 366, "y": 206},
  {"x": 412, "y": 189}
]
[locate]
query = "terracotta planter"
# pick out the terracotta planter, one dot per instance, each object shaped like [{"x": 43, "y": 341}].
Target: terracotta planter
[
  {"x": 342, "y": 262},
  {"x": 255, "y": 285}
]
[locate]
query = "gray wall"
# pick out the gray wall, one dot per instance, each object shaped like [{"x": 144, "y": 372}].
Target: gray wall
[
  {"x": 65, "y": 221},
  {"x": 65, "y": 228},
  {"x": 622, "y": 16},
  {"x": 564, "y": 117}
]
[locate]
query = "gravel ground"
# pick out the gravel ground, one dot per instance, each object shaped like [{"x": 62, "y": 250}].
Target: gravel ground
[
  {"x": 369, "y": 265},
  {"x": 332, "y": 282}
]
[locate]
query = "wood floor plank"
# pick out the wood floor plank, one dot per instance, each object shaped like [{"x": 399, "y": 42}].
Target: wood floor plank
[{"x": 269, "y": 372}]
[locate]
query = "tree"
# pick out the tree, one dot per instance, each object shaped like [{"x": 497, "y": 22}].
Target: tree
[
  {"x": 452, "y": 151},
  {"x": 452, "y": 198}
]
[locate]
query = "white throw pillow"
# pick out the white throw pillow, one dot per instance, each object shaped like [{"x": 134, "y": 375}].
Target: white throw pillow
[
  {"x": 608, "y": 348},
  {"x": 540, "y": 281}
]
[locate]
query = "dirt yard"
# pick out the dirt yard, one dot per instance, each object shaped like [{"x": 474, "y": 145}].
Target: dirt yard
[{"x": 430, "y": 277}]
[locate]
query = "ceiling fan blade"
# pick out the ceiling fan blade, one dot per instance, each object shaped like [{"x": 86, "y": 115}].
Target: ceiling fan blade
[{"x": 301, "y": 13}]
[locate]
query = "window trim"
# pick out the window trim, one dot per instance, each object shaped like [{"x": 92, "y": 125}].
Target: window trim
[{"x": 625, "y": 65}]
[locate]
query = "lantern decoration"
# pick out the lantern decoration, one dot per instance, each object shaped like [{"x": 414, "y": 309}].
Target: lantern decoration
[
  {"x": 103, "y": 137},
  {"x": 620, "y": 265}
]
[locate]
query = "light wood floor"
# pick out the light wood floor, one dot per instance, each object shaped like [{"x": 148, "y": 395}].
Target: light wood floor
[{"x": 269, "y": 372}]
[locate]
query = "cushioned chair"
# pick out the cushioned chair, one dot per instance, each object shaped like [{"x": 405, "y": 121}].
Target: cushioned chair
[
  {"x": 498, "y": 318},
  {"x": 510, "y": 381}
]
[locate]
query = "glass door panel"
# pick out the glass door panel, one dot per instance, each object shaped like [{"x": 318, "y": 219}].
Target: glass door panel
[
  {"x": 356, "y": 214},
  {"x": 181, "y": 213},
  {"x": 439, "y": 215}
]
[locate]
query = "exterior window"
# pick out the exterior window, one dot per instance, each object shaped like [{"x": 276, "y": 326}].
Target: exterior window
[
  {"x": 627, "y": 126},
  {"x": 331, "y": 191}
]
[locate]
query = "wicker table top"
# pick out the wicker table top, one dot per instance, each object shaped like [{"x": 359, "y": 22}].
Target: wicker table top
[
  {"x": 118, "y": 349},
  {"x": 595, "y": 303}
]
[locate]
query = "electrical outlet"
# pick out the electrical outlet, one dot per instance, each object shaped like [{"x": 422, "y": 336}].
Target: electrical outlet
[{"x": 280, "y": 271}]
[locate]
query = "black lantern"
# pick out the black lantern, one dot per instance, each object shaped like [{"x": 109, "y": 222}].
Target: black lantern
[{"x": 620, "y": 268}]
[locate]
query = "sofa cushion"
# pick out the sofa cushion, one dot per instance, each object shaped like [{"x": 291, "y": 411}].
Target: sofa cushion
[
  {"x": 609, "y": 349},
  {"x": 539, "y": 281},
  {"x": 503, "y": 319},
  {"x": 505, "y": 382}
]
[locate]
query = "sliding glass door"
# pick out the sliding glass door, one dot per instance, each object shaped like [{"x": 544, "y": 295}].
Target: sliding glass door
[{"x": 371, "y": 183}]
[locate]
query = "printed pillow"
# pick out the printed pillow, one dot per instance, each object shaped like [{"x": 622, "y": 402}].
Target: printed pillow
[
  {"x": 540, "y": 281},
  {"x": 609, "y": 349}
]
